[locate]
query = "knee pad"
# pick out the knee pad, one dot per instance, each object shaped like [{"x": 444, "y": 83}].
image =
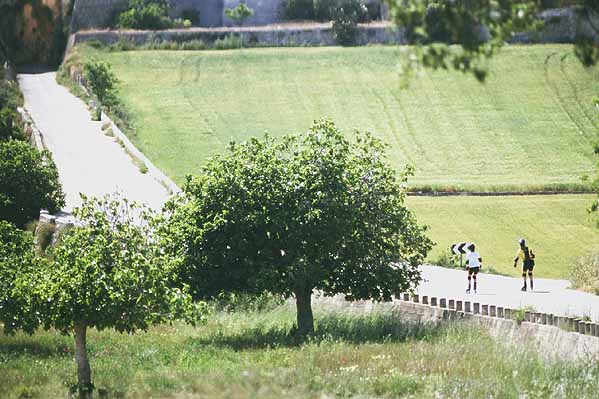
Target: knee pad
[
  {"x": 529, "y": 274},
  {"x": 469, "y": 277},
  {"x": 524, "y": 275}
]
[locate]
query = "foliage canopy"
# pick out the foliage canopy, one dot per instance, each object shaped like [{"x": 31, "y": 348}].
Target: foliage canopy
[
  {"x": 307, "y": 212},
  {"x": 28, "y": 183}
]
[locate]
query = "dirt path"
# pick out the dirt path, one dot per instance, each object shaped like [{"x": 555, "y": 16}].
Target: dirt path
[{"x": 88, "y": 161}]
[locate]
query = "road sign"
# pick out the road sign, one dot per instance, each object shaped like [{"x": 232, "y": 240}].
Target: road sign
[{"x": 461, "y": 248}]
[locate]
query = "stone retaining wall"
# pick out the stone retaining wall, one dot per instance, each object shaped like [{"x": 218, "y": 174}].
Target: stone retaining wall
[
  {"x": 561, "y": 336},
  {"x": 565, "y": 336},
  {"x": 314, "y": 35}
]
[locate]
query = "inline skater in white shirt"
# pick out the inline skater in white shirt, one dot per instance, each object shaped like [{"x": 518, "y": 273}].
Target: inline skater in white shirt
[{"x": 473, "y": 264}]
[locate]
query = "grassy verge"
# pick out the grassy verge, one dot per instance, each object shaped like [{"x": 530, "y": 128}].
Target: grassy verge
[
  {"x": 529, "y": 127},
  {"x": 558, "y": 228},
  {"x": 245, "y": 355}
]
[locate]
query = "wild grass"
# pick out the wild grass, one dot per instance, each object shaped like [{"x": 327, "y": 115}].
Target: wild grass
[
  {"x": 248, "y": 354},
  {"x": 557, "y": 227},
  {"x": 530, "y": 127}
]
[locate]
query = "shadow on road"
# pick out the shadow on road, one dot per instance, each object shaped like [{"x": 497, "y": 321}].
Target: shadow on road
[{"x": 34, "y": 69}]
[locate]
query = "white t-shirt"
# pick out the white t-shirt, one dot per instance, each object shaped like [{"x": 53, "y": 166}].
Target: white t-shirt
[{"x": 472, "y": 259}]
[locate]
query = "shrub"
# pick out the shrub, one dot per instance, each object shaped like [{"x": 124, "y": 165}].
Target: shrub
[
  {"x": 9, "y": 128},
  {"x": 345, "y": 21},
  {"x": 240, "y": 13},
  {"x": 585, "y": 274},
  {"x": 192, "y": 15},
  {"x": 10, "y": 96},
  {"x": 145, "y": 14},
  {"x": 228, "y": 42},
  {"x": 28, "y": 183},
  {"x": 102, "y": 81}
]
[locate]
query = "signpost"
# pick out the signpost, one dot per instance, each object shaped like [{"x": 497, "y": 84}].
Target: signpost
[{"x": 461, "y": 248}]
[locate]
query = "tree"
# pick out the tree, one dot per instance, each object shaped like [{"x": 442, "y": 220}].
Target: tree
[
  {"x": 102, "y": 81},
  {"x": 480, "y": 28},
  {"x": 240, "y": 13},
  {"x": 110, "y": 273},
  {"x": 19, "y": 273},
  {"x": 290, "y": 216},
  {"x": 28, "y": 183}
]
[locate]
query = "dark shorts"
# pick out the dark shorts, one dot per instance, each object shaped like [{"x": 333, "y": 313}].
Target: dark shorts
[
  {"x": 527, "y": 268},
  {"x": 473, "y": 270}
]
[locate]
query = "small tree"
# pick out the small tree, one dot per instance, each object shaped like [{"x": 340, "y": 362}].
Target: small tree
[
  {"x": 310, "y": 211},
  {"x": 102, "y": 81},
  {"x": 110, "y": 273},
  {"x": 19, "y": 271},
  {"x": 9, "y": 129},
  {"x": 240, "y": 13},
  {"x": 28, "y": 183}
]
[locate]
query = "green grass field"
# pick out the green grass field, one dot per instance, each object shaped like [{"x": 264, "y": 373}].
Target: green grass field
[
  {"x": 557, "y": 228},
  {"x": 254, "y": 355},
  {"x": 529, "y": 127}
]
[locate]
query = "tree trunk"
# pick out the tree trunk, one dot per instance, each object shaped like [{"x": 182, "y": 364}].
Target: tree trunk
[
  {"x": 84, "y": 373},
  {"x": 305, "y": 319}
]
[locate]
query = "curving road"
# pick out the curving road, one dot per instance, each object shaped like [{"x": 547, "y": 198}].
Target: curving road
[
  {"x": 88, "y": 161},
  {"x": 549, "y": 296}
]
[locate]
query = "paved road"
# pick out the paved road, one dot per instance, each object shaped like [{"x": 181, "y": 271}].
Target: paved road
[
  {"x": 88, "y": 161},
  {"x": 549, "y": 296}
]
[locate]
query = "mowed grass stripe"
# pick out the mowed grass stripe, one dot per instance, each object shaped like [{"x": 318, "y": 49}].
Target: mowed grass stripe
[
  {"x": 531, "y": 125},
  {"x": 557, "y": 228}
]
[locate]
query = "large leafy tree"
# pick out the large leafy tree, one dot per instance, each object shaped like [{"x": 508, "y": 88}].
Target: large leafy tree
[
  {"x": 303, "y": 213},
  {"x": 28, "y": 182},
  {"x": 478, "y": 28},
  {"x": 109, "y": 272}
]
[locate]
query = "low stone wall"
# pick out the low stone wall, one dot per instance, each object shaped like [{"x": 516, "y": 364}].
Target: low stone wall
[
  {"x": 562, "y": 336},
  {"x": 312, "y": 35}
]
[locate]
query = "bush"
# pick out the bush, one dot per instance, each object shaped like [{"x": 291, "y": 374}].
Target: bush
[
  {"x": 101, "y": 81},
  {"x": 192, "y": 15},
  {"x": 228, "y": 42},
  {"x": 585, "y": 274},
  {"x": 145, "y": 14},
  {"x": 10, "y": 96},
  {"x": 28, "y": 183},
  {"x": 9, "y": 129},
  {"x": 345, "y": 21},
  {"x": 240, "y": 13}
]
